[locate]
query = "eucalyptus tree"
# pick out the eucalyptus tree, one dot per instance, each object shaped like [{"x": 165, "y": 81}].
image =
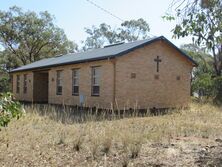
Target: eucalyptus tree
[
  {"x": 27, "y": 36},
  {"x": 201, "y": 19},
  {"x": 104, "y": 34}
]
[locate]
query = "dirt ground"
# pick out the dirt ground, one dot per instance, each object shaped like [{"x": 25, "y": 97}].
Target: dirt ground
[{"x": 185, "y": 151}]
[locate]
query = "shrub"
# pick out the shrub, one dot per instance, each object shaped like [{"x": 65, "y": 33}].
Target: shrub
[
  {"x": 106, "y": 143},
  {"x": 77, "y": 144},
  {"x": 9, "y": 109},
  {"x": 4, "y": 84}
]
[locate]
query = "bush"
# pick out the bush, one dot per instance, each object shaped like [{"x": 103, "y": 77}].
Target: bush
[
  {"x": 9, "y": 109},
  {"x": 4, "y": 84}
]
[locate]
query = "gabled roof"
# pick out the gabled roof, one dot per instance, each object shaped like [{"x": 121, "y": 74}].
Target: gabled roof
[{"x": 96, "y": 54}]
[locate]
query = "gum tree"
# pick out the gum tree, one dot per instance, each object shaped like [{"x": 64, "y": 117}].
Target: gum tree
[
  {"x": 104, "y": 34},
  {"x": 27, "y": 36},
  {"x": 201, "y": 19}
]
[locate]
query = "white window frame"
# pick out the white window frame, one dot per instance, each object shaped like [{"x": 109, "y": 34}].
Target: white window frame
[
  {"x": 59, "y": 82},
  {"x": 95, "y": 80},
  {"x": 75, "y": 81},
  {"x": 25, "y": 83},
  {"x": 17, "y": 83}
]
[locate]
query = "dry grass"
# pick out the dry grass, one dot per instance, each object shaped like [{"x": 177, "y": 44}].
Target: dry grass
[{"x": 174, "y": 139}]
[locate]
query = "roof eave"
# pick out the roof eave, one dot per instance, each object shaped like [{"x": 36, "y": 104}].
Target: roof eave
[
  {"x": 62, "y": 64},
  {"x": 194, "y": 64}
]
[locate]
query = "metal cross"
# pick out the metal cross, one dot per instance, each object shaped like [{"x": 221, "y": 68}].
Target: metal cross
[{"x": 157, "y": 60}]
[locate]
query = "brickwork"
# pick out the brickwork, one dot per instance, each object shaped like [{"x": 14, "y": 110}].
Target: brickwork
[
  {"x": 21, "y": 95},
  {"x": 133, "y": 76},
  {"x": 106, "y": 85},
  {"x": 151, "y": 88}
]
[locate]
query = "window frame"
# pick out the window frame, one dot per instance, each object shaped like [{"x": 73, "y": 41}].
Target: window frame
[
  {"x": 74, "y": 82},
  {"x": 25, "y": 82},
  {"x": 59, "y": 82},
  {"x": 93, "y": 80},
  {"x": 18, "y": 84}
]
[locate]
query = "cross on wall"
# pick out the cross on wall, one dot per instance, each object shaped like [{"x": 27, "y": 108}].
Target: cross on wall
[{"x": 157, "y": 60}]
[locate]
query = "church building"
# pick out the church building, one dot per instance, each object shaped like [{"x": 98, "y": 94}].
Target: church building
[{"x": 142, "y": 74}]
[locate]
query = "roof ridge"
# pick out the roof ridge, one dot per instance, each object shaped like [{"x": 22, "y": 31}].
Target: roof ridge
[
  {"x": 93, "y": 49},
  {"x": 96, "y": 55}
]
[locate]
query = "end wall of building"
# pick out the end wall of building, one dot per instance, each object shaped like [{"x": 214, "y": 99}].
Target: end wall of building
[{"x": 139, "y": 85}]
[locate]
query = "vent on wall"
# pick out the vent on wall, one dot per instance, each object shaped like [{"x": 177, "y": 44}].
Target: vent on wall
[
  {"x": 133, "y": 75},
  {"x": 156, "y": 77}
]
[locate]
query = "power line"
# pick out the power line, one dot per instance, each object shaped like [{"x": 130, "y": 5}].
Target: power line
[
  {"x": 104, "y": 10},
  {"x": 108, "y": 12}
]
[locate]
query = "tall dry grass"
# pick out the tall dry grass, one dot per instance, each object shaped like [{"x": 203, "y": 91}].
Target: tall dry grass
[{"x": 44, "y": 128}]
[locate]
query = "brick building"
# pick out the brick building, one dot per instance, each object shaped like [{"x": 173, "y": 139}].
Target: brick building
[{"x": 141, "y": 74}]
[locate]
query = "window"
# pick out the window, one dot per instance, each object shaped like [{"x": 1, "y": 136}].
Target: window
[
  {"x": 17, "y": 84},
  {"x": 75, "y": 82},
  {"x": 95, "y": 81},
  {"x": 25, "y": 84},
  {"x": 59, "y": 83}
]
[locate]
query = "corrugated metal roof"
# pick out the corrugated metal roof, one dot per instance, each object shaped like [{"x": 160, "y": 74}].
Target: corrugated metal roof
[{"x": 93, "y": 55}]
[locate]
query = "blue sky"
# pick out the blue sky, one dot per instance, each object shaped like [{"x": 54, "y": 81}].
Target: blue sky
[{"x": 74, "y": 15}]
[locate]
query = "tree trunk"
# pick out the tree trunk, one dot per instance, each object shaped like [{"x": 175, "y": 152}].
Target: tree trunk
[{"x": 218, "y": 79}]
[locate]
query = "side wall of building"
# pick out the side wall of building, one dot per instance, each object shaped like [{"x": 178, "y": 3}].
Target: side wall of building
[
  {"x": 139, "y": 85},
  {"x": 28, "y": 96},
  {"x": 106, "y": 85}
]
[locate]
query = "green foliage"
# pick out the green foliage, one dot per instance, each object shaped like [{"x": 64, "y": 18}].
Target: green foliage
[
  {"x": 209, "y": 87},
  {"x": 104, "y": 34},
  {"x": 4, "y": 80},
  {"x": 9, "y": 109},
  {"x": 168, "y": 17},
  {"x": 133, "y": 30},
  {"x": 28, "y": 37},
  {"x": 4, "y": 84},
  {"x": 204, "y": 85},
  {"x": 204, "y": 60},
  {"x": 202, "y": 19},
  {"x": 204, "y": 80}
]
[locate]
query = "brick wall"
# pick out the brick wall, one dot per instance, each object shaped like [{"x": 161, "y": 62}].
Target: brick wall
[
  {"x": 21, "y": 95},
  {"x": 106, "y": 85},
  {"x": 136, "y": 80},
  {"x": 143, "y": 90}
]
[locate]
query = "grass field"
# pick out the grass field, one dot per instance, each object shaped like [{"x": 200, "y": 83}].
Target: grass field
[{"x": 191, "y": 137}]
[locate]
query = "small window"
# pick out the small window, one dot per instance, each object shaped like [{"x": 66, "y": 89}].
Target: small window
[
  {"x": 178, "y": 78},
  {"x": 25, "y": 84},
  {"x": 75, "y": 82},
  {"x": 17, "y": 84},
  {"x": 95, "y": 81},
  {"x": 59, "y": 83}
]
